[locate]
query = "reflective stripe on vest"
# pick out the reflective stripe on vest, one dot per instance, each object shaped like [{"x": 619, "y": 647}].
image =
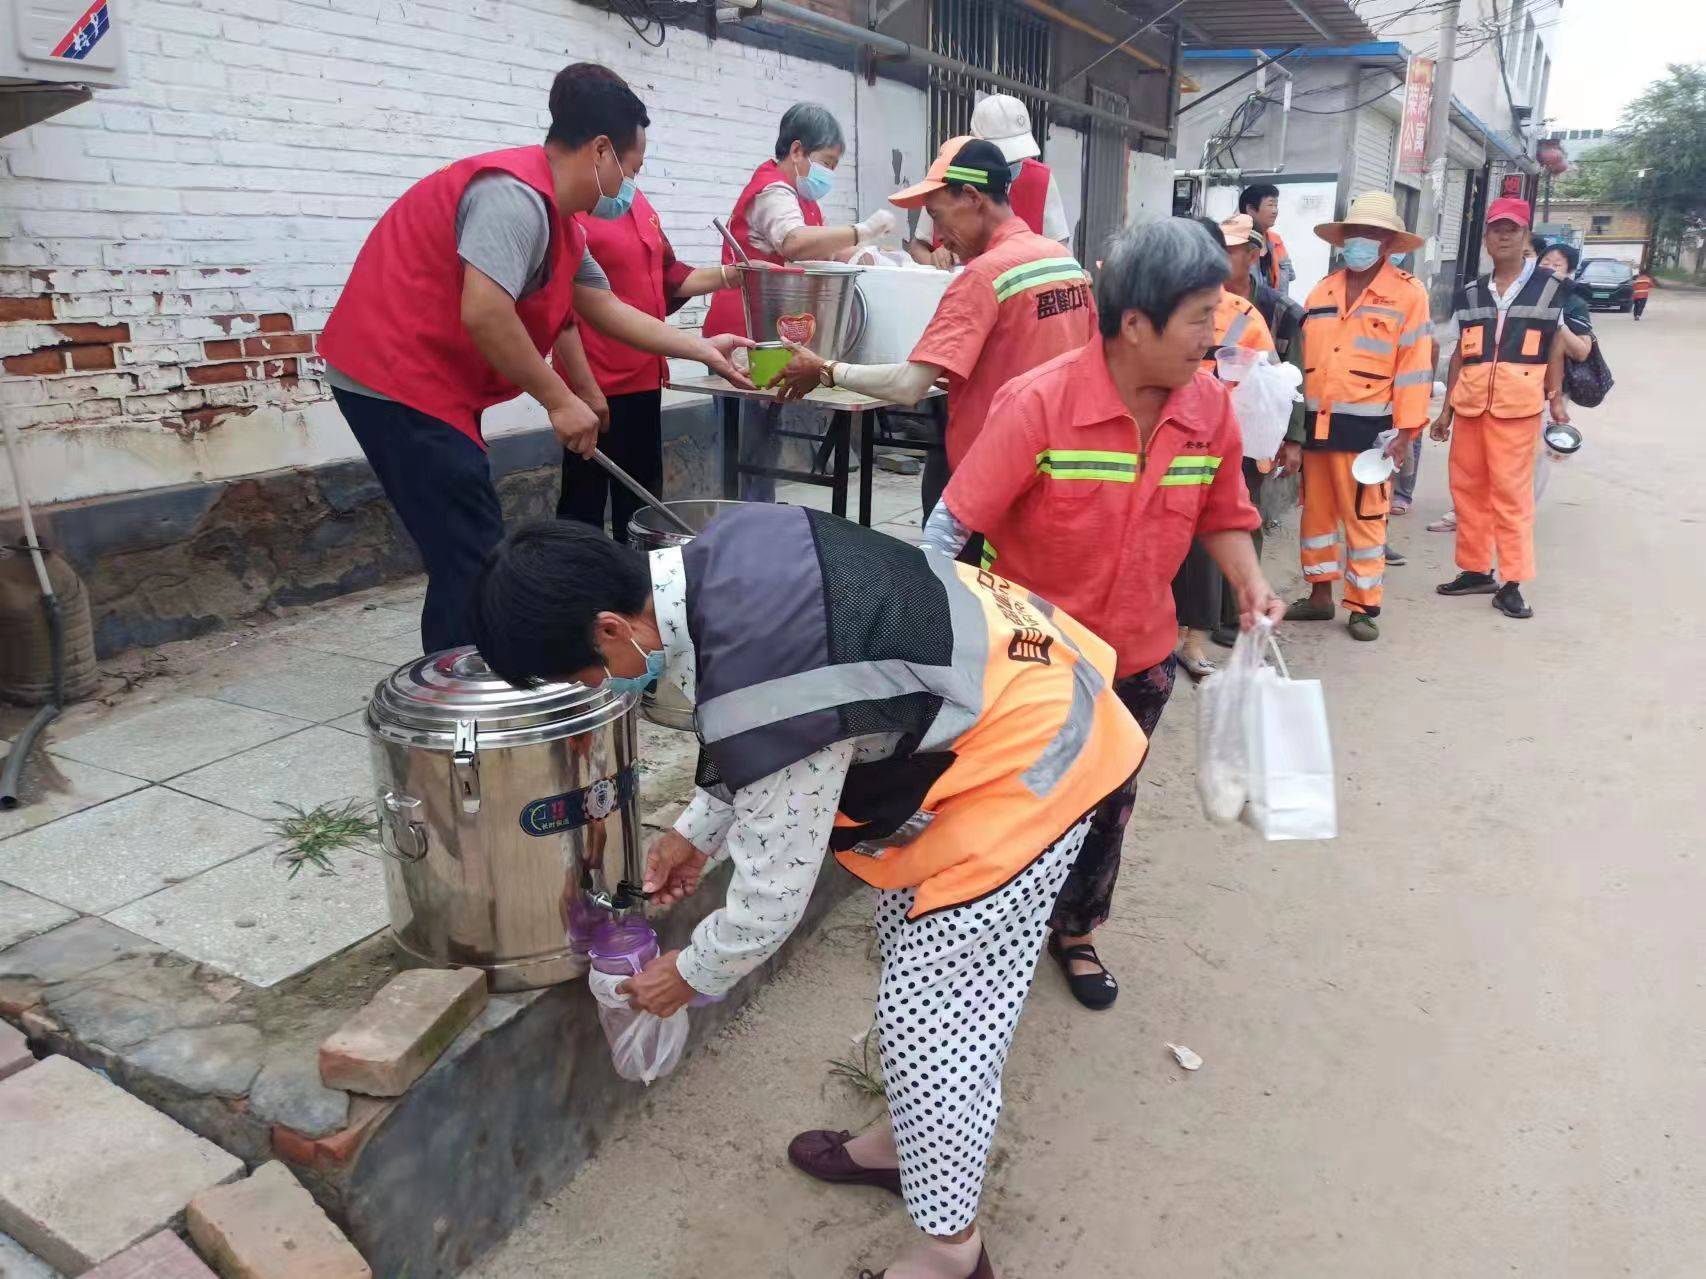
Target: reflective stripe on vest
[
  {"x": 1033, "y": 275},
  {"x": 1502, "y": 364},
  {"x": 1087, "y": 464},
  {"x": 1190, "y": 470}
]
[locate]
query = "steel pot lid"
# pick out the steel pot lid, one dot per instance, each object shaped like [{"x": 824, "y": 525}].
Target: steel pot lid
[{"x": 437, "y": 692}]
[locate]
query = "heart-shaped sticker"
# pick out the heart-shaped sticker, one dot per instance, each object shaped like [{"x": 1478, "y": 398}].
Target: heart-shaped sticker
[{"x": 797, "y": 329}]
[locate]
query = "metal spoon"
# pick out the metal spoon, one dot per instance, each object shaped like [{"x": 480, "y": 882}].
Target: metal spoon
[
  {"x": 733, "y": 243},
  {"x": 640, "y": 491}
]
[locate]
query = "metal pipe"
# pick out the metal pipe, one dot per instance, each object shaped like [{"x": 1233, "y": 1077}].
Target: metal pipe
[
  {"x": 1099, "y": 59},
  {"x": 1095, "y": 33},
  {"x": 826, "y": 25}
]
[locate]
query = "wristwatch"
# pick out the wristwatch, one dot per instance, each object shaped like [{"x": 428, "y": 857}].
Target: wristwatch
[{"x": 826, "y": 375}]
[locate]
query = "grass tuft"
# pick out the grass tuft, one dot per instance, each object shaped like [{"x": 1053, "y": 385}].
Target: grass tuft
[{"x": 312, "y": 835}]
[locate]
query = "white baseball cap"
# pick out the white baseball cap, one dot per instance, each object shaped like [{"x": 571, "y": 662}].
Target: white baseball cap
[{"x": 1003, "y": 120}]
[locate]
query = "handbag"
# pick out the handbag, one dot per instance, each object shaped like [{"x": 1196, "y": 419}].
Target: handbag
[{"x": 1588, "y": 381}]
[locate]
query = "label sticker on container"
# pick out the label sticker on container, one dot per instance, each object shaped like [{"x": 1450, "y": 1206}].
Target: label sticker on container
[
  {"x": 573, "y": 809},
  {"x": 797, "y": 329}
]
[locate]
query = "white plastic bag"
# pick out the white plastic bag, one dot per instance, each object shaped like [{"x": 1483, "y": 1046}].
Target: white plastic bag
[
  {"x": 643, "y": 1047},
  {"x": 1223, "y": 769},
  {"x": 1262, "y": 399},
  {"x": 1289, "y": 754}
]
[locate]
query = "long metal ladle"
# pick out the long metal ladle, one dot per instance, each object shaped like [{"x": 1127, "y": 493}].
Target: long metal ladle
[
  {"x": 643, "y": 493},
  {"x": 733, "y": 243}
]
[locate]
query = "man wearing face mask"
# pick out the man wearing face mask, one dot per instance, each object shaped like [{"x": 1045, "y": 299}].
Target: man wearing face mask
[
  {"x": 1032, "y": 191},
  {"x": 452, "y": 306},
  {"x": 1021, "y": 301},
  {"x": 1366, "y": 369}
]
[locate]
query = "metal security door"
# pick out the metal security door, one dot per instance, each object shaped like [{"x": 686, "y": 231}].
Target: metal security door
[
  {"x": 993, "y": 35},
  {"x": 1104, "y": 179}
]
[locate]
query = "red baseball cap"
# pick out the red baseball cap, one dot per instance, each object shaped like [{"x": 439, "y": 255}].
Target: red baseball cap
[{"x": 1507, "y": 208}]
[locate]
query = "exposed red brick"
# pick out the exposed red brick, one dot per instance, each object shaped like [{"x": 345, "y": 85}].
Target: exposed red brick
[
  {"x": 278, "y": 368},
  {"x": 47, "y": 360},
  {"x": 226, "y": 321},
  {"x": 92, "y": 357},
  {"x": 223, "y": 349},
  {"x": 94, "y": 332},
  {"x": 161, "y": 1256},
  {"x": 202, "y": 419},
  {"x": 278, "y": 344},
  {"x": 331, "y": 1153},
  {"x": 277, "y": 322},
  {"x": 202, "y": 374},
  {"x": 36, "y": 308}
]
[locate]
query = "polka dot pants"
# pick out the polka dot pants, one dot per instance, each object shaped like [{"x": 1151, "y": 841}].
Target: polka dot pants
[{"x": 953, "y": 984}]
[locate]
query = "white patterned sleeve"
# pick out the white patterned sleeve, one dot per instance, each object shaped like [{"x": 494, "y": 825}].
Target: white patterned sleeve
[
  {"x": 777, "y": 842},
  {"x": 705, "y": 823}
]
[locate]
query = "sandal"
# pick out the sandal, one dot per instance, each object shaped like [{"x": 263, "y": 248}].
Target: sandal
[
  {"x": 1096, "y": 991},
  {"x": 823, "y": 1154},
  {"x": 984, "y": 1269},
  {"x": 1198, "y": 668},
  {"x": 1307, "y": 610}
]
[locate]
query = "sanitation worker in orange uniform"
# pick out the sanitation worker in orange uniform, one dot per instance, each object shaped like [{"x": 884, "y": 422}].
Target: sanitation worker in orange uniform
[
  {"x": 1366, "y": 369},
  {"x": 1509, "y": 362}
]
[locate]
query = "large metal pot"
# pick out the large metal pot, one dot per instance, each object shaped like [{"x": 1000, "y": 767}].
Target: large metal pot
[
  {"x": 499, "y": 808},
  {"x": 647, "y": 531},
  {"x": 811, "y": 303}
]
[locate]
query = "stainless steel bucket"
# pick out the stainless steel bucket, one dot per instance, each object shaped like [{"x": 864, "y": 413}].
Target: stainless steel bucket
[
  {"x": 811, "y": 303},
  {"x": 498, "y": 808},
  {"x": 648, "y": 532}
]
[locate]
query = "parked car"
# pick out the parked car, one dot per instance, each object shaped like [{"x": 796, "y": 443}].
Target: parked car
[{"x": 1605, "y": 283}]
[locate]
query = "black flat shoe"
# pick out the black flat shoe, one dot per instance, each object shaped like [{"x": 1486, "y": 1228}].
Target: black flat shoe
[
  {"x": 1508, "y": 600},
  {"x": 1095, "y": 991},
  {"x": 1467, "y": 583}
]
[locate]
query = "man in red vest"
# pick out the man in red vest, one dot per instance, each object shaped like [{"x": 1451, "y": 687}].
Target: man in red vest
[
  {"x": 1032, "y": 190},
  {"x": 452, "y": 306}
]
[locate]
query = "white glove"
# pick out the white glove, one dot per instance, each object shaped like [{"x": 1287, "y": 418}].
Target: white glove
[{"x": 874, "y": 227}]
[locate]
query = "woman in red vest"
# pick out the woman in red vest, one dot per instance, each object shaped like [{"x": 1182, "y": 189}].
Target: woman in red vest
[
  {"x": 778, "y": 216},
  {"x": 1032, "y": 191},
  {"x": 624, "y": 386},
  {"x": 452, "y": 306}
]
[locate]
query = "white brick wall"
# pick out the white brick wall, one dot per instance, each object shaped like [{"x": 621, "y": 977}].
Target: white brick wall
[{"x": 213, "y": 207}]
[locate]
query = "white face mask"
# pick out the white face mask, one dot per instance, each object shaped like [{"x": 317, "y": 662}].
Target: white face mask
[{"x": 1360, "y": 252}]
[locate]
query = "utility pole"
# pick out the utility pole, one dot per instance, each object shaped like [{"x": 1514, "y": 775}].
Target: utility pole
[{"x": 1434, "y": 151}]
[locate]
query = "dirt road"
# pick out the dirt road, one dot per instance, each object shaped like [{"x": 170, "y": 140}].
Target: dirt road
[{"x": 1466, "y": 1039}]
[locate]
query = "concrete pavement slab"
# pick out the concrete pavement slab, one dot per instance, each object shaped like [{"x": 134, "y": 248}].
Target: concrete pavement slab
[
  {"x": 307, "y": 684},
  {"x": 91, "y": 1169},
  {"x": 55, "y": 787},
  {"x": 17, "y": 1262},
  {"x": 106, "y": 856},
  {"x": 248, "y": 917},
  {"x": 316, "y": 766},
  {"x": 24, "y": 915},
  {"x": 175, "y": 736}
]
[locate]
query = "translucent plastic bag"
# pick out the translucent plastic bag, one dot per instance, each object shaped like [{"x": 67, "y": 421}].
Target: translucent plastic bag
[
  {"x": 1262, "y": 399},
  {"x": 1223, "y": 766},
  {"x": 642, "y": 1047}
]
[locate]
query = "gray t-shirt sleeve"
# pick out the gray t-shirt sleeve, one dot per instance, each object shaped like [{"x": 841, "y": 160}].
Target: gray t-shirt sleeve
[
  {"x": 504, "y": 232},
  {"x": 590, "y": 274}
]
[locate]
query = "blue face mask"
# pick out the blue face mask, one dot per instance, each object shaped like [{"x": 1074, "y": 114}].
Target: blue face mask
[
  {"x": 816, "y": 182},
  {"x": 1014, "y": 169},
  {"x": 1361, "y": 252},
  {"x": 637, "y": 683},
  {"x": 611, "y": 207}
]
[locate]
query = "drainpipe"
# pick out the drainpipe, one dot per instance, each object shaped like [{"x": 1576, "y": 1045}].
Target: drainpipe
[{"x": 891, "y": 47}]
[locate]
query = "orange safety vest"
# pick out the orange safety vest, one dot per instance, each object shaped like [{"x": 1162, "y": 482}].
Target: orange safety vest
[
  {"x": 1367, "y": 364},
  {"x": 1237, "y": 322},
  {"x": 1643, "y": 285},
  {"x": 1277, "y": 258},
  {"x": 809, "y": 630},
  {"x": 1502, "y": 370}
]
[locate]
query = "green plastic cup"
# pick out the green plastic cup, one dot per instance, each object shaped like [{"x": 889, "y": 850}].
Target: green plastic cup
[{"x": 765, "y": 362}]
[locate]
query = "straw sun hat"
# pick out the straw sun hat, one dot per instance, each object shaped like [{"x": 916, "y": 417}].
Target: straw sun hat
[{"x": 1372, "y": 209}]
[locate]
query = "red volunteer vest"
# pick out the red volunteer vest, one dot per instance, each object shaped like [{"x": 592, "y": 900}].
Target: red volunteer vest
[
  {"x": 727, "y": 315},
  {"x": 398, "y": 325},
  {"x": 630, "y": 249},
  {"x": 1027, "y": 195}
]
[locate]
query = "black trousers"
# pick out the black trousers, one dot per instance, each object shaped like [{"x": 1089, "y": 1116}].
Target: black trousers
[
  {"x": 936, "y": 474},
  {"x": 440, "y": 483},
  {"x": 1640, "y": 305},
  {"x": 635, "y": 443},
  {"x": 1253, "y": 478}
]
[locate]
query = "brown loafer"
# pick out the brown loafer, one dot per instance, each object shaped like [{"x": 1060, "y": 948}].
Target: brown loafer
[
  {"x": 823, "y": 1154},
  {"x": 984, "y": 1269}
]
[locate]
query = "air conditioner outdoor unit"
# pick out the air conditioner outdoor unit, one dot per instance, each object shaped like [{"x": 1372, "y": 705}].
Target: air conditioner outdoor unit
[{"x": 54, "y": 54}]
